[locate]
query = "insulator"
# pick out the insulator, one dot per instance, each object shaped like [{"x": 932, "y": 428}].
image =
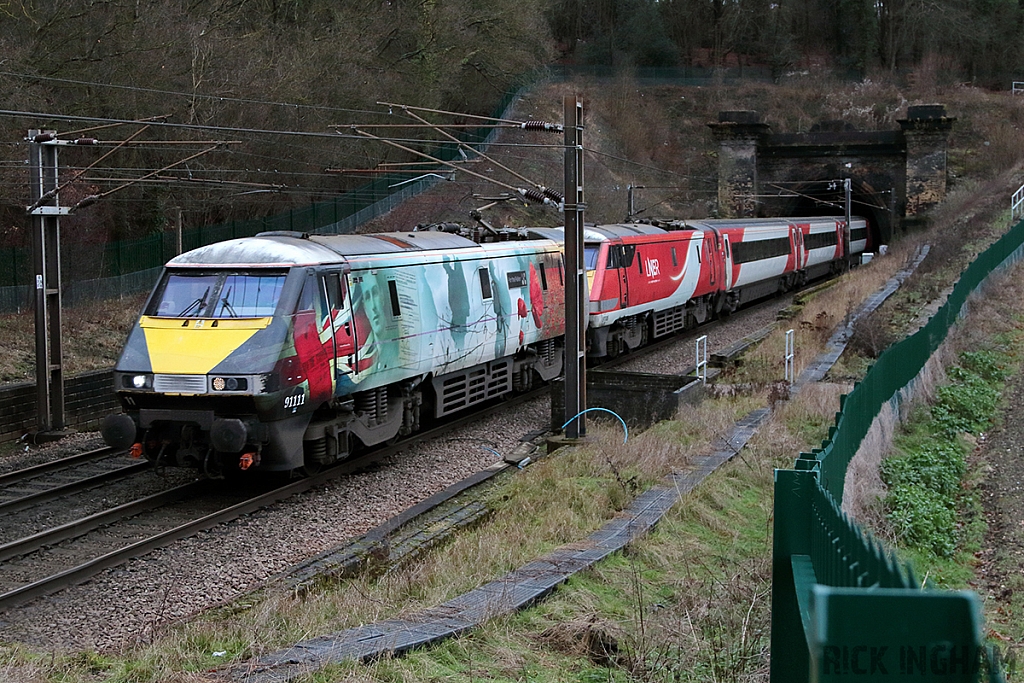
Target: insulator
[
  {"x": 44, "y": 137},
  {"x": 532, "y": 194},
  {"x": 541, "y": 125},
  {"x": 554, "y": 194},
  {"x": 86, "y": 201},
  {"x": 86, "y": 141}
]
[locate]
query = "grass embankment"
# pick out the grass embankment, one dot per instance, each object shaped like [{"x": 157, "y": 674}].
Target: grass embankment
[
  {"x": 688, "y": 602},
  {"x": 94, "y": 334},
  {"x": 941, "y": 463}
]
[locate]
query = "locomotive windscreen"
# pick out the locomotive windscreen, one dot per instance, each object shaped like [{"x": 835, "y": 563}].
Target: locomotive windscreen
[{"x": 217, "y": 294}]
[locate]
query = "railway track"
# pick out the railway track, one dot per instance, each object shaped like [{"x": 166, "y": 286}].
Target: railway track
[
  {"x": 42, "y": 563},
  {"x": 46, "y": 561},
  {"x": 22, "y": 489}
]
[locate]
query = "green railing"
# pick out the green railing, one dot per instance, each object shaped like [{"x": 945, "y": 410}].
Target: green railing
[{"x": 842, "y": 607}]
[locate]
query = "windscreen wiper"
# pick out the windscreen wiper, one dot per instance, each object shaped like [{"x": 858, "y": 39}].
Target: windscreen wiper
[
  {"x": 196, "y": 306},
  {"x": 225, "y": 306}
]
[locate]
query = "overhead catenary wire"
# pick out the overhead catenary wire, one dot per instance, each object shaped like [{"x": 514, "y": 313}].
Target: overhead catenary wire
[
  {"x": 590, "y": 150},
  {"x": 544, "y": 191},
  {"x": 408, "y": 108},
  {"x": 188, "y": 95},
  {"x": 93, "y": 129},
  {"x": 525, "y": 193},
  {"x": 818, "y": 200},
  {"x": 46, "y": 196},
  {"x": 166, "y": 124},
  {"x": 551, "y": 197},
  {"x": 94, "y": 198}
]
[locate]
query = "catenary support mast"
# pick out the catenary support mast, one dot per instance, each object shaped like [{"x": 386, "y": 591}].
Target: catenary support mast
[
  {"x": 46, "y": 212},
  {"x": 576, "y": 273}
]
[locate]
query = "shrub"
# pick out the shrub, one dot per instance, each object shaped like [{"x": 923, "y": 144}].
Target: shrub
[
  {"x": 925, "y": 478},
  {"x": 966, "y": 405}
]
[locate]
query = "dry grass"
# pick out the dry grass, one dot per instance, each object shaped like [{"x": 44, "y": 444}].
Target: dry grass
[
  {"x": 555, "y": 501},
  {"x": 819, "y": 317},
  {"x": 93, "y": 336},
  {"x": 991, "y": 315}
]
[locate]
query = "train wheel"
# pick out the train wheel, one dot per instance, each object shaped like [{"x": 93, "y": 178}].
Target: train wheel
[{"x": 310, "y": 468}]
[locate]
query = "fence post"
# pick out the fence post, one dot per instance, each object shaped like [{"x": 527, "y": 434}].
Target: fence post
[{"x": 791, "y": 658}]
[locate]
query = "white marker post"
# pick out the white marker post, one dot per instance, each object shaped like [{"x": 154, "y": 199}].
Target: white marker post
[
  {"x": 790, "y": 356},
  {"x": 701, "y": 359}
]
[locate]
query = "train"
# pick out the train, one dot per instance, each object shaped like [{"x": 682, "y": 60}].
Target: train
[{"x": 287, "y": 352}]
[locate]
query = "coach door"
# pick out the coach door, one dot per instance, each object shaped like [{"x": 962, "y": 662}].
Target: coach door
[
  {"x": 627, "y": 254},
  {"x": 709, "y": 253},
  {"x": 727, "y": 279},
  {"x": 798, "y": 247}
]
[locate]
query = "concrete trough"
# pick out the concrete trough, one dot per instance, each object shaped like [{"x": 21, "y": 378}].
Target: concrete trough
[{"x": 639, "y": 398}]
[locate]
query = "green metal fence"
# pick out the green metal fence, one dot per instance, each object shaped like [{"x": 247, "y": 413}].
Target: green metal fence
[{"x": 842, "y": 608}]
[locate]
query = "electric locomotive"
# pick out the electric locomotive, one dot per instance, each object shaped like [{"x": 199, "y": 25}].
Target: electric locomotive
[{"x": 286, "y": 350}]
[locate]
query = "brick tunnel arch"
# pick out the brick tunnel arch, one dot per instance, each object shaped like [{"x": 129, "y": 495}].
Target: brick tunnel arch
[{"x": 823, "y": 198}]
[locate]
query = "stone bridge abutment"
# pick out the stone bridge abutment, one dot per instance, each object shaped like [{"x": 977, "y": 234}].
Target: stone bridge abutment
[{"x": 895, "y": 175}]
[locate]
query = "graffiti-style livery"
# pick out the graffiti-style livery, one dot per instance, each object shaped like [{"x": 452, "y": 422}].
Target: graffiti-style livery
[{"x": 282, "y": 350}]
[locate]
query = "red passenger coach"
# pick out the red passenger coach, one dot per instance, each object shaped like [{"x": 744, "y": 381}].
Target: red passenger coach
[{"x": 648, "y": 280}]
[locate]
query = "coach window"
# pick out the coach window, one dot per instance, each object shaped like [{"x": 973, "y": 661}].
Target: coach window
[
  {"x": 543, "y": 277},
  {"x": 307, "y": 299},
  {"x": 696, "y": 246},
  {"x": 396, "y": 309},
  {"x": 485, "y": 283},
  {"x": 626, "y": 254},
  {"x": 675, "y": 260},
  {"x": 335, "y": 294},
  {"x": 614, "y": 258}
]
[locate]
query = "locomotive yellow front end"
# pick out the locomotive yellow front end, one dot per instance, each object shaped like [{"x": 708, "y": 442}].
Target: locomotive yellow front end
[{"x": 208, "y": 377}]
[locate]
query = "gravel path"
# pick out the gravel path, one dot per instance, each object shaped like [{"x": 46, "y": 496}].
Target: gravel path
[
  {"x": 1002, "y": 493},
  {"x": 124, "y": 605}
]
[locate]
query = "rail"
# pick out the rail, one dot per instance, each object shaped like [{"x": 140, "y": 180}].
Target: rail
[{"x": 841, "y": 605}]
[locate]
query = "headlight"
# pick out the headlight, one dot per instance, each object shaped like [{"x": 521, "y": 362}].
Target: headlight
[
  {"x": 230, "y": 384},
  {"x": 140, "y": 381}
]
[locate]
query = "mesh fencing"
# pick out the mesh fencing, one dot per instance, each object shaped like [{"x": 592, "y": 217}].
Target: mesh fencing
[{"x": 130, "y": 266}]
